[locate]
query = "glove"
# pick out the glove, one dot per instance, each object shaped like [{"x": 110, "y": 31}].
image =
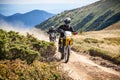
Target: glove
[
  {"x": 61, "y": 30},
  {"x": 47, "y": 32},
  {"x": 74, "y": 33}
]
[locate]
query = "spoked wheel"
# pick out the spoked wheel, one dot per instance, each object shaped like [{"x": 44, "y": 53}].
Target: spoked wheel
[
  {"x": 52, "y": 39},
  {"x": 66, "y": 53}
]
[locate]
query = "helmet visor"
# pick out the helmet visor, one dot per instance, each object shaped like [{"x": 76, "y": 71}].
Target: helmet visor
[{"x": 67, "y": 21}]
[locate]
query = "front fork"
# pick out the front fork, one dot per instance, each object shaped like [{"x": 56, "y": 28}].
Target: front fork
[{"x": 64, "y": 42}]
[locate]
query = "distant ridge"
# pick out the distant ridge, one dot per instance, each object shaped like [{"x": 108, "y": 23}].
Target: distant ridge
[{"x": 31, "y": 18}]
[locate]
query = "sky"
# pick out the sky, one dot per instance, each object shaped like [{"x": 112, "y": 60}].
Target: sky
[{"x": 9, "y": 7}]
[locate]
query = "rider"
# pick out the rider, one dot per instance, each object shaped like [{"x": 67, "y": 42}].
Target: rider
[
  {"x": 62, "y": 28},
  {"x": 52, "y": 30}
]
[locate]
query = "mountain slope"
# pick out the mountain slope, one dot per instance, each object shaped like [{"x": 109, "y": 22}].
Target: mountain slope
[
  {"x": 30, "y": 18},
  {"x": 2, "y": 16},
  {"x": 115, "y": 26},
  {"x": 95, "y": 16}
]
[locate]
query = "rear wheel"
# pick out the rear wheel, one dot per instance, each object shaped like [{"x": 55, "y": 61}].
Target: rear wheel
[{"x": 66, "y": 53}]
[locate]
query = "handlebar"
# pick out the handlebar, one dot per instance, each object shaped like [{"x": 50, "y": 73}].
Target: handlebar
[{"x": 74, "y": 33}]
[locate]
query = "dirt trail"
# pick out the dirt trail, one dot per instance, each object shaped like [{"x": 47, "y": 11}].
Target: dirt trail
[{"x": 81, "y": 67}]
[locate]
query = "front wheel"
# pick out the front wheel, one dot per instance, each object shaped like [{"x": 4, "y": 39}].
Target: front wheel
[
  {"x": 52, "y": 39},
  {"x": 66, "y": 53}
]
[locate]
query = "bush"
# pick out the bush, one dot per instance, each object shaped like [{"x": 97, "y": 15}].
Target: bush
[
  {"x": 20, "y": 70},
  {"x": 31, "y": 53},
  {"x": 13, "y": 46}
]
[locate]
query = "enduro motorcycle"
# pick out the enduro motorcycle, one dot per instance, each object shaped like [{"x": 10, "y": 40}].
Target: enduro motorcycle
[
  {"x": 65, "y": 45},
  {"x": 52, "y": 37}
]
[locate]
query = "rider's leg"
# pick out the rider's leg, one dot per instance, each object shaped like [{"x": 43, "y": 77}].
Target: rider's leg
[
  {"x": 63, "y": 45},
  {"x": 59, "y": 45},
  {"x": 60, "y": 48}
]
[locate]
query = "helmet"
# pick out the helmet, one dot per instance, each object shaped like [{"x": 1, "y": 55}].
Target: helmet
[
  {"x": 67, "y": 20},
  {"x": 52, "y": 27}
]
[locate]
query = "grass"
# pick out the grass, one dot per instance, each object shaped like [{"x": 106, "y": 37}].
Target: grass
[
  {"x": 105, "y": 44},
  {"x": 115, "y": 26},
  {"x": 114, "y": 40},
  {"x": 92, "y": 40},
  {"x": 105, "y": 55}
]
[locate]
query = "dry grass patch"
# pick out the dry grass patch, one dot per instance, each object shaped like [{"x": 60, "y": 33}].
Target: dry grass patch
[
  {"x": 113, "y": 40},
  {"x": 105, "y": 44},
  {"x": 105, "y": 54},
  {"x": 20, "y": 70}
]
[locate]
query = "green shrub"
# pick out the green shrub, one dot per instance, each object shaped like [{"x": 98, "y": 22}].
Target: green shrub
[{"x": 13, "y": 46}]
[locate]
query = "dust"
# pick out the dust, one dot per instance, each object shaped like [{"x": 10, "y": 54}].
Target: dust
[{"x": 22, "y": 29}]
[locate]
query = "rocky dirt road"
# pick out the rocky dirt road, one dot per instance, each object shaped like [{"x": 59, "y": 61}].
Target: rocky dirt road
[{"x": 80, "y": 67}]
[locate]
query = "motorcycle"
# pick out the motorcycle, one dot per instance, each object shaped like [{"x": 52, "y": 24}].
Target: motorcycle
[
  {"x": 65, "y": 45},
  {"x": 52, "y": 37}
]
